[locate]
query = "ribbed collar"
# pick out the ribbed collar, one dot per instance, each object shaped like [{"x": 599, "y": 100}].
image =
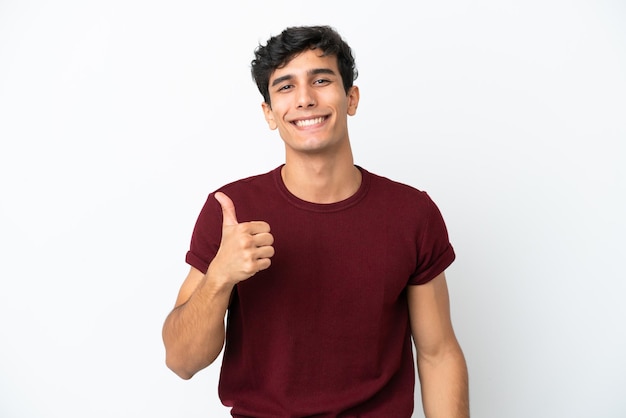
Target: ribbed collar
[{"x": 323, "y": 207}]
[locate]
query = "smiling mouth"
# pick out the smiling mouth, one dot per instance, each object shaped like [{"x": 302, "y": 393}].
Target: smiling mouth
[{"x": 309, "y": 122}]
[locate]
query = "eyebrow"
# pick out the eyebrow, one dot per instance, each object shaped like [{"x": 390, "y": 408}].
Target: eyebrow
[{"x": 314, "y": 71}]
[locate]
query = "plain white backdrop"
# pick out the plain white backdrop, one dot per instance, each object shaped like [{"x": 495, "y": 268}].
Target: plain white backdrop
[{"x": 117, "y": 118}]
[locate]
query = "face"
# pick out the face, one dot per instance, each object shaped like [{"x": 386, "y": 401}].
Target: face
[{"x": 309, "y": 106}]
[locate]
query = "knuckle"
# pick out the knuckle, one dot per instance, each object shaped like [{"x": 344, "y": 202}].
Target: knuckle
[
  {"x": 246, "y": 241},
  {"x": 249, "y": 267}
]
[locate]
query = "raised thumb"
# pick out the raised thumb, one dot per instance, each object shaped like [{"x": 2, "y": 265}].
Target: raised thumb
[{"x": 229, "y": 216}]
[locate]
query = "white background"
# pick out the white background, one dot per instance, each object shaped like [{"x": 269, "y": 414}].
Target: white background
[{"x": 117, "y": 118}]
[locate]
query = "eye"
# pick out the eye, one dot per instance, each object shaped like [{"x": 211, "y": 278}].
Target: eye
[
  {"x": 285, "y": 87},
  {"x": 321, "y": 81}
]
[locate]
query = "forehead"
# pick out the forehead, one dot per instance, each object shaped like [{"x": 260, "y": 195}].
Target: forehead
[{"x": 305, "y": 63}]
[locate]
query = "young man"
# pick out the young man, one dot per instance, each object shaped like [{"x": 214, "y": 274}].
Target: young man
[{"x": 324, "y": 270}]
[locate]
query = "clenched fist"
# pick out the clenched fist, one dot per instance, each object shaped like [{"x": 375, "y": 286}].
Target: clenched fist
[{"x": 245, "y": 249}]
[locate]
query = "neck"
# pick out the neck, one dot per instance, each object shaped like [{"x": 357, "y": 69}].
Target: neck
[{"x": 321, "y": 180}]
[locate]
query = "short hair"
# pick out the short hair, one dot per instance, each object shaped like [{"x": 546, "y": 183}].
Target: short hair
[{"x": 282, "y": 48}]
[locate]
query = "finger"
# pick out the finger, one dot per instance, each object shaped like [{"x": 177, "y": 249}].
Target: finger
[
  {"x": 263, "y": 253},
  {"x": 263, "y": 239},
  {"x": 229, "y": 216},
  {"x": 263, "y": 264},
  {"x": 257, "y": 227}
]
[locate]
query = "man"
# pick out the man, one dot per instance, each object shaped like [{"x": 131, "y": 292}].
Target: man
[{"x": 324, "y": 270}]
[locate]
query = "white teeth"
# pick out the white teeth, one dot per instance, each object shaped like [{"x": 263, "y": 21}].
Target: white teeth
[{"x": 308, "y": 122}]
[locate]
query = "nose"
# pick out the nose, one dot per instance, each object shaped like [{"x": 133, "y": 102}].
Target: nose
[{"x": 306, "y": 98}]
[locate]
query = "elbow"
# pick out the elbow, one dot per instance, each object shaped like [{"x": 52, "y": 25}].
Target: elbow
[
  {"x": 187, "y": 358},
  {"x": 178, "y": 367},
  {"x": 177, "y": 358},
  {"x": 185, "y": 365}
]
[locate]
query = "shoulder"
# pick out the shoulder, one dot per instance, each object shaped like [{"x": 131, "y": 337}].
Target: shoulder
[
  {"x": 395, "y": 191},
  {"x": 241, "y": 190},
  {"x": 258, "y": 180},
  {"x": 251, "y": 188},
  {"x": 250, "y": 194}
]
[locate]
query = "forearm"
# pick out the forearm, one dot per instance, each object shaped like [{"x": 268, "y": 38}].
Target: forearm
[
  {"x": 444, "y": 384},
  {"x": 194, "y": 332}
]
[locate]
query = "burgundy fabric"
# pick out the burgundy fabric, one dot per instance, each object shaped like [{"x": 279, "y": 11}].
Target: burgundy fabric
[{"x": 324, "y": 331}]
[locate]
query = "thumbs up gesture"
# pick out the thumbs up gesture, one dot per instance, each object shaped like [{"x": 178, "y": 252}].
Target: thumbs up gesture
[{"x": 245, "y": 249}]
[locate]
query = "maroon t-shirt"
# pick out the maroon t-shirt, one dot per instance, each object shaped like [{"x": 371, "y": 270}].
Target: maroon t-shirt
[{"x": 325, "y": 330}]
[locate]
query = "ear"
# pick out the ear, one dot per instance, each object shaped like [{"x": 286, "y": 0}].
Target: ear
[
  {"x": 353, "y": 100},
  {"x": 269, "y": 116}
]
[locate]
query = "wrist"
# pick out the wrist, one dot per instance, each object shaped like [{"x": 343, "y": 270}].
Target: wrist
[{"x": 218, "y": 282}]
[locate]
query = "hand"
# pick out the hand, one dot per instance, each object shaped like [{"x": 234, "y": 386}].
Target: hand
[{"x": 245, "y": 249}]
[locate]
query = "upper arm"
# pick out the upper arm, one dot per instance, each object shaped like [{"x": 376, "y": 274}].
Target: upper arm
[
  {"x": 191, "y": 283},
  {"x": 429, "y": 310}
]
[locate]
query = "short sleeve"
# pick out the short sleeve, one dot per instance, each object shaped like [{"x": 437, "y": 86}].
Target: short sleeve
[
  {"x": 434, "y": 250},
  {"x": 206, "y": 236}
]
